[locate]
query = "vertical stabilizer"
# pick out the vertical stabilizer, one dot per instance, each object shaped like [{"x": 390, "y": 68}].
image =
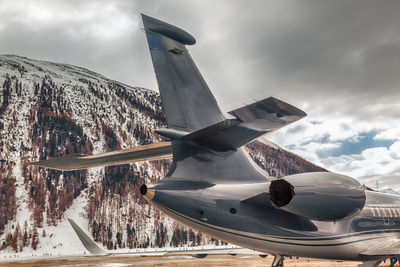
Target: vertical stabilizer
[
  {"x": 189, "y": 107},
  {"x": 187, "y": 101}
]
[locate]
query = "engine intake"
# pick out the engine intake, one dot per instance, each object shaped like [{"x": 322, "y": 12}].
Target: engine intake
[{"x": 319, "y": 196}]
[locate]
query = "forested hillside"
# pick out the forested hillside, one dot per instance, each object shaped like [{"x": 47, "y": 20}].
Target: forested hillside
[{"x": 48, "y": 110}]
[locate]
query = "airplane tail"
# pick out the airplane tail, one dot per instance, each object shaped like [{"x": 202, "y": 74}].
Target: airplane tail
[
  {"x": 191, "y": 110},
  {"x": 186, "y": 99},
  {"x": 205, "y": 146}
]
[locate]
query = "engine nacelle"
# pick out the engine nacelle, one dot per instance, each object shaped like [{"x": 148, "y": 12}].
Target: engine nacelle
[{"x": 319, "y": 196}]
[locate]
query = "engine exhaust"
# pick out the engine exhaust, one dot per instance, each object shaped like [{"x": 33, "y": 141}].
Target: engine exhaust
[
  {"x": 147, "y": 190},
  {"x": 280, "y": 193}
]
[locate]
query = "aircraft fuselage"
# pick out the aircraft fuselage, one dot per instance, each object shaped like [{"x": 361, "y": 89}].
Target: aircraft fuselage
[{"x": 262, "y": 227}]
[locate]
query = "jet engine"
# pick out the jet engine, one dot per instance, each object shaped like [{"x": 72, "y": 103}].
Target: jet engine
[{"x": 319, "y": 196}]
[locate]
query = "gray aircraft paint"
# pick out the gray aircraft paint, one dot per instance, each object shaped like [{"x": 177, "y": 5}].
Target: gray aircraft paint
[
  {"x": 219, "y": 192},
  {"x": 213, "y": 186}
]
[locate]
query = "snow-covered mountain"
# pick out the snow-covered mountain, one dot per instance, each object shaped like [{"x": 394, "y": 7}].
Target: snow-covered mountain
[{"x": 48, "y": 110}]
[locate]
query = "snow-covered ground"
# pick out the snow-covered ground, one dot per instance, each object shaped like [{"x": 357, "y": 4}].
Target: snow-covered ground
[
  {"x": 89, "y": 109},
  {"x": 60, "y": 240}
]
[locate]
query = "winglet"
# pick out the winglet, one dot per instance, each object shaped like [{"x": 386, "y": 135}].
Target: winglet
[
  {"x": 166, "y": 29},
  {"x": 87, "y": 242}
]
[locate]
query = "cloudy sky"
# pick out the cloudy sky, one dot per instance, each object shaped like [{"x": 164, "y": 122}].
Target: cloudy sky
[{"x": 337, "y": 60}]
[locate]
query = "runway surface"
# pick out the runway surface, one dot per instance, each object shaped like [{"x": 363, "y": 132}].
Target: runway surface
[{"x": 175, "y": 261}]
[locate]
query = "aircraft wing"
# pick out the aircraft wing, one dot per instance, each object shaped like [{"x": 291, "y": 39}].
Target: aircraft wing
[
  {"x": 197, "y": 252},
  {"x": 78, "y": 161},
  {"x": 388, "y": 247},
  {"x": 252, "y": 121}
]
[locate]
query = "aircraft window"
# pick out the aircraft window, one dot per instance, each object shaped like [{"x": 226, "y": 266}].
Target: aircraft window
[{"x": 232, "y": 210}]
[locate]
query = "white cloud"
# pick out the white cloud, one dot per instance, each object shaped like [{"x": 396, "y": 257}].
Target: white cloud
[
  {"x": 374, "y": 164},
  {"x": 327, "y": 132},
  {"x": 311, "y": 137},
  {"x": 392, "y": 133},
  {"x": 395, "y": 151}
]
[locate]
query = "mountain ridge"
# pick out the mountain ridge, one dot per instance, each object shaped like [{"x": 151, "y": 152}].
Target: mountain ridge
[{"x": 50, "y": 109}]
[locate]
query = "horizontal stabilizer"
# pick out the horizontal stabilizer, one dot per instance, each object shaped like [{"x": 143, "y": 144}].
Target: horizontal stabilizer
[
  {"x": 268, "y": 114},
  {"x": 87, "y": 242},
  {"x": 135, "y": 154},
  {"x": 251, "y": 122}
]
